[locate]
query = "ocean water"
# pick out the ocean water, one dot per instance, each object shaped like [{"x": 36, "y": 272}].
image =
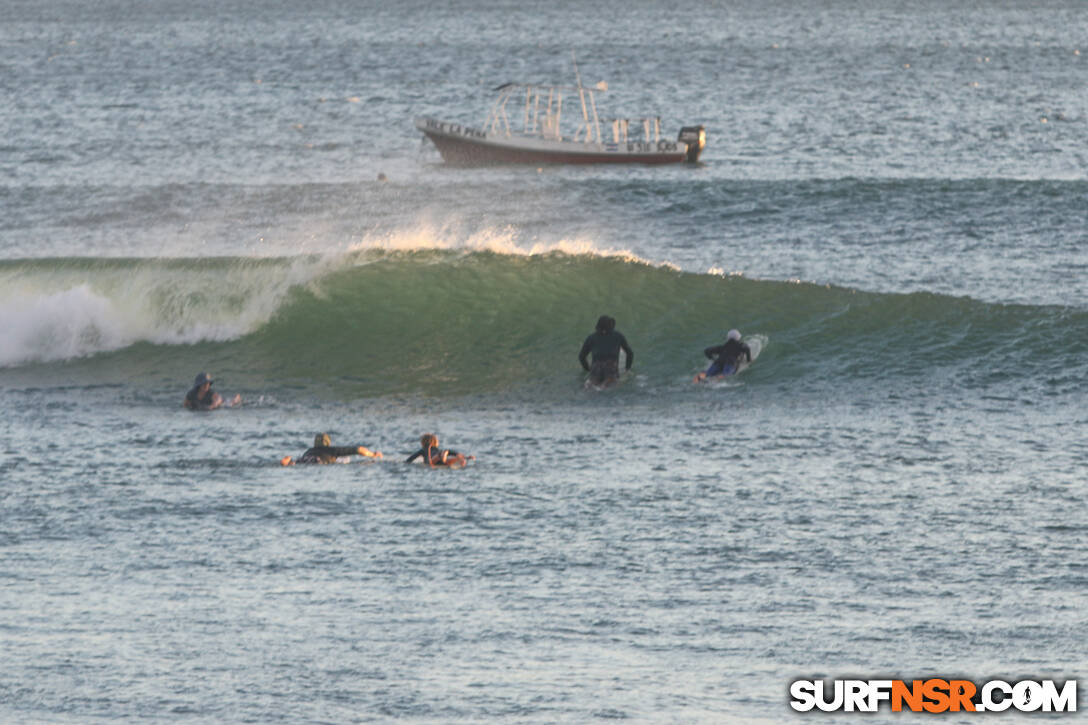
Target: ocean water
[{"x": 891, "y": 201}]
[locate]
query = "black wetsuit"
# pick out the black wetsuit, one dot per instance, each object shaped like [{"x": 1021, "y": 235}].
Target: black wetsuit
[
  {"x": 195, "y": 402},
  {"x": 605, "y": 348},
  {"x": 327, "y": 454},
  {"x": 432, "y": 454},
  {"x": 727, "y": 354}
]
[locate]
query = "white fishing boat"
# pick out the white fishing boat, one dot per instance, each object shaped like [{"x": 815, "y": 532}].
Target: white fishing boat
[{"x": 537, "y": 135}]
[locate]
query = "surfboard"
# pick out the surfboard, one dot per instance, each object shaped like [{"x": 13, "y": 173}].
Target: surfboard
[
  {"x": 452, "y": 466},
  {"x": 755, "y": 345},
  {"x": 623, "y": 378},
  {"x": 290, "y": 461}
]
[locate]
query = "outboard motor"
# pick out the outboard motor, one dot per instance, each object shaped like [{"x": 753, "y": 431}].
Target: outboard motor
[{"x": 695, "y": 138}]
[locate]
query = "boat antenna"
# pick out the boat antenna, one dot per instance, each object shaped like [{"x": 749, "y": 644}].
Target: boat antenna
[{"x": 577, "y": 75}]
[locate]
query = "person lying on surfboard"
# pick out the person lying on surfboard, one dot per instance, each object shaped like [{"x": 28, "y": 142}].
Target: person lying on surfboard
[
  {"x": 726, "y": 357},
  {"x": 202, "y": 397},
  {"x": 434, "y": 456},
  {"x": 605, "y": 345},
  {"x": 324, "y": 452}
]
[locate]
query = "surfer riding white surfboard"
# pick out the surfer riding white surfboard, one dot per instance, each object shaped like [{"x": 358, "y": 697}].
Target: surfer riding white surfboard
[{"x": 729, "y": 358}]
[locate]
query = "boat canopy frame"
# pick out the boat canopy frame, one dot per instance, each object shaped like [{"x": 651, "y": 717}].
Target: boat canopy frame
[{"x": 544, "y": 110}]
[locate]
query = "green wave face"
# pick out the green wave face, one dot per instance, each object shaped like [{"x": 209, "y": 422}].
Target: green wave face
[{"x": 442, "y": 322}]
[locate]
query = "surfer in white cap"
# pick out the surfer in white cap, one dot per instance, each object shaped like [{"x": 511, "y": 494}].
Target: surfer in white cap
[{"x": 726, "y": 357}]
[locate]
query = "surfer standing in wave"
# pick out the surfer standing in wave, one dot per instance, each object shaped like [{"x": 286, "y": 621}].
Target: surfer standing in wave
[
  {"x": 605, "y": 345},
  {"x": 434, "y": 457},
  {"x": 201, "y": 396},
  {"x": 726, "y": 357},
  {"x": 325, "y": 452}
]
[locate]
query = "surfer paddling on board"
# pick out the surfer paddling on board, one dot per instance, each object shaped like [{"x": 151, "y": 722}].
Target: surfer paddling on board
[
  {"x": 605, "y": 345},
  {"x": 726, "y": 357},
  {"x": 435, "y": 457},
  {"x": 201, "y": 396},
  {"x": 324, "y": 452}
]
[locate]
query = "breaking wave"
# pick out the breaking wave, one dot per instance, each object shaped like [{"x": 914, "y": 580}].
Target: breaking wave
[{"x": 404, "y": 313}]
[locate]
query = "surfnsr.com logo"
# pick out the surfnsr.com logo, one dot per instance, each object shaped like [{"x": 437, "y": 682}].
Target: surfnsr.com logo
[{"x": 933, "y": 695}]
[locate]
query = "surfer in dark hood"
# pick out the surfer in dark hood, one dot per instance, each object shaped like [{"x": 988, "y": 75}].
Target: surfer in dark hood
[{"x": 604, "y": 345}]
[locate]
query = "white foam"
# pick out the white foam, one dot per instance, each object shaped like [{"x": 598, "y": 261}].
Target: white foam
[
  {"x": 58, "y": 325},
  {"x": 449, "y": 237},
  {"x": 59, "y": 314}
]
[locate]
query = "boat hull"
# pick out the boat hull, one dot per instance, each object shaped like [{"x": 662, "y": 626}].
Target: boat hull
[{"x": 466, "y": 146}]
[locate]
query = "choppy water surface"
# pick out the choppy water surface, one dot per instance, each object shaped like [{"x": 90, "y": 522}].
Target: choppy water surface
[{"x": 891, "y": 202}]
